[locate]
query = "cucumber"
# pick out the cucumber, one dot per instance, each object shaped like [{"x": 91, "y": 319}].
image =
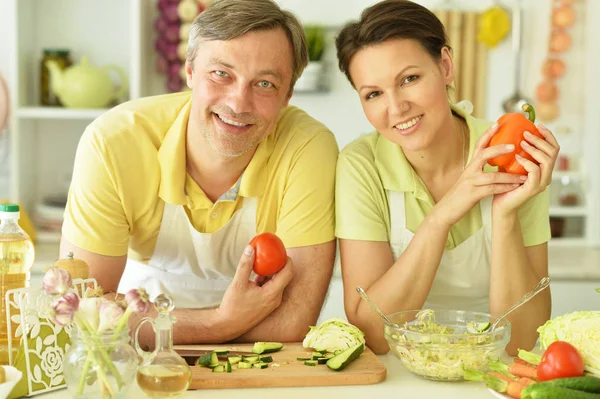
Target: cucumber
[
  {"x": 586, "y": 384},
  {"x": 342, "y": 360},
  {"x": 260, "y": 365},
  {"x": 244, "y": 365},
  {"x": 250, "y": 358},
  {"x": 322, "y": 360},
  {"x": 218, "y": 369},
  {"x": 208, "y": 359},
  {"x": 303, "y": 358},
  {"x": 542, "y": 391},
  {"x": 234, "y": 359},
  {"x": 266, "y": 359},
  {"x": 266, "y": 347},
  {"x": 227, "y": 367},
  {"x": 310, "y": 362},
  {"x": 316, "y": 355},
  {"x": 221, "y": 352}
]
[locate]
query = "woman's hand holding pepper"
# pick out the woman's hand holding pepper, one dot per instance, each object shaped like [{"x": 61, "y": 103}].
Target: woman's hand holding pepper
[
  {"x": 474, "y": 184},
  {"x": 545, "y": 151}
]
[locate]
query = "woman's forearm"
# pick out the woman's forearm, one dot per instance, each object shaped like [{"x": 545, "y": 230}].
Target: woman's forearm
[
  {"x": 513, "y": 274},
  {"x": 405, "y": 285}
]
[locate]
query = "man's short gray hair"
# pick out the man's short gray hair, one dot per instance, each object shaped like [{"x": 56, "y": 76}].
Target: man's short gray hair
[{"x": 228, "y": 19}]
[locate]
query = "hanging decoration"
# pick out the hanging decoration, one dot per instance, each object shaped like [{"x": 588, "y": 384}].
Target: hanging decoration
[
  {"x": 547, "y": 94},
  {"x": 172, "y": 26}
]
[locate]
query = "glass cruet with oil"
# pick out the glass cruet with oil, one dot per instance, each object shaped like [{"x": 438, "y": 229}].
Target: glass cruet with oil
[
  {"x": 163, "y": 373},
  {"x": 16, "y": 259}
]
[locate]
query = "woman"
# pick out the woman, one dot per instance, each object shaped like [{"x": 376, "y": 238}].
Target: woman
[{"x": 423, "y": 221}]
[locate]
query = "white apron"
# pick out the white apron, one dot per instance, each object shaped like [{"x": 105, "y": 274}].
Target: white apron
[
  {"x": 193, "y": 268},
  {"x": 462, "y": 280}
]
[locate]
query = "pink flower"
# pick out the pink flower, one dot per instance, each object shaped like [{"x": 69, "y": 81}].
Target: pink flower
[
  {"x": 64, "y": 308},
  {"x": 138, "y": 300},
  {"x": 56, "y": 281},
  {"x": 110, "y": 315}
]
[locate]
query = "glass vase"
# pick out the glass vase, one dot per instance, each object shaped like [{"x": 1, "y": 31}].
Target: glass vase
[{"x": 100, "y": 365}]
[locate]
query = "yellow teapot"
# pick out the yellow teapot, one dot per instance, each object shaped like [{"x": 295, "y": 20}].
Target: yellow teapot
[{"x": 85, "y": 86}]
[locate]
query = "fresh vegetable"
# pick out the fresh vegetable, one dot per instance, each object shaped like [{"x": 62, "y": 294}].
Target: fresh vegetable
[
  {"x": 333, "y": 334},
  {"x": 339, "y": 362},
  {"x": 560, "y": 360},
  {"x": 270, "y": 254},
  {"x": 266, "y": 347},
  {"x": 528, "y": 357},
  {"x": 537, "y": 391},
  {"x": 580, "y": 329},
  {"x": 586, "y": 384},
  {"x": 510, "y": 131},
  {"x": 523, "y": 371},
  {"x": 512, "y": 388}
]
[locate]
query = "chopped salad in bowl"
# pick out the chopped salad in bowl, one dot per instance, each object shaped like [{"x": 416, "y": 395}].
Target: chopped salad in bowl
[{"x": 438, "y": 344}]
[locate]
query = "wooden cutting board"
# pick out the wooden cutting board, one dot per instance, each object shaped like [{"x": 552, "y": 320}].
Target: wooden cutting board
[{"x": 365, "y": 370}]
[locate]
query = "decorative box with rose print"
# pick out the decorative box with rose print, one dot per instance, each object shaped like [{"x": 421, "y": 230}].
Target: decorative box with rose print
[{"x": 38, "y": 346}]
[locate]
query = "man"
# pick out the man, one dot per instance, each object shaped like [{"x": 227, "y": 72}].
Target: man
[{"x": 167, "y": 191}]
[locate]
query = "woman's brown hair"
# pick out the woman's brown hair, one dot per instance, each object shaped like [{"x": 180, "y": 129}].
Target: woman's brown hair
[{"x": 390, "y": 19}]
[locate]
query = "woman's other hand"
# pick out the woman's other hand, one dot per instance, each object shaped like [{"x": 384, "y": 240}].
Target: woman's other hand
[
  {"x": 474, "y": 184},
  {"x": 545, "y": 151}
]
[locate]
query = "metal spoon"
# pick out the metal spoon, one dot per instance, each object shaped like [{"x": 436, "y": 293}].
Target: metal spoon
[
  {"x": 545, "y": 282},
  {"x": 364, "y": 296}
]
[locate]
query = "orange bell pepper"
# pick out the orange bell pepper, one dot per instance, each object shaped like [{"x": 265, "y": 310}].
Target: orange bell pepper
[{"x": 510, "y": 131}]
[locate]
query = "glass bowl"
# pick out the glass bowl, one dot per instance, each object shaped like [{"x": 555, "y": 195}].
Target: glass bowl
[{"x": 437, "y": 344}]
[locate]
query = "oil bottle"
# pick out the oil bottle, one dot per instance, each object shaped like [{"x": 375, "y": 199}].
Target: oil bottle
[
  {"x": 16, "y": 259},
  {"x": 163, "y": 374}
]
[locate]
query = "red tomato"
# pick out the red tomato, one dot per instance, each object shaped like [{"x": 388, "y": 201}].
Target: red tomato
[
  {"x": 270, "y": 255},
  {"x": 560, "y": 360}
]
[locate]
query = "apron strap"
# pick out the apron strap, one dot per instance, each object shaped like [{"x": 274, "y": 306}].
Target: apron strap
[{"x": 397, "y": 216}]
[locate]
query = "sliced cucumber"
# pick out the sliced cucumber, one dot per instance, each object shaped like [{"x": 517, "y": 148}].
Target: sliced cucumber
[
  {"x": 260, "y": 365},
  {"x": 208, "y": 359},
  {"x": 250, "y": 358},
  {"x": 478, "y": 328},
  {"x": 218, "y": 369},
  {"x": 304, "y": 358},
  {"x": 228, "y": 367},
  {"x": 266, "y": 359},
  {"x": 234, "y": 359},
  {"x": 339, "y": 362},
  {"x": 244, "y": 365},
  {"x": 310, "y": 363},
  {"x": 316, "y": 355},
  {"x": 322, "y": 360},
  {"x": 266, "y": 347}
]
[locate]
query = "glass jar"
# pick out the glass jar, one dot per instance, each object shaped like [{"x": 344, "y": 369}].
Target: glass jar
[
  {"x": 47, "y": 96},
  {"x": 100, "y": 365}
]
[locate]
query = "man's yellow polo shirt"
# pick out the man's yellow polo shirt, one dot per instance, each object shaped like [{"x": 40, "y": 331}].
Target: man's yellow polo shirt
[
  {"x": 132, "y": 160},
  {"x": 372, "y": 164}
]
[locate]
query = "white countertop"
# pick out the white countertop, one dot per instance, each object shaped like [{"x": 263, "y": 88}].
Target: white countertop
[{"x": 398, "y": 384}]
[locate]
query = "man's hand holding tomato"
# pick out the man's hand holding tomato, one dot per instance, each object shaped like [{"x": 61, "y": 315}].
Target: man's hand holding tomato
[{"x": 248, "y": 302}]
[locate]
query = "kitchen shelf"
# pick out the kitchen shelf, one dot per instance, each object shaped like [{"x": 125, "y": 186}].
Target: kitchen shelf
[
  {"x": 565, "y": 211},
  {"x": 572, "y": 174},
  {"x": 58, "y": 113}
]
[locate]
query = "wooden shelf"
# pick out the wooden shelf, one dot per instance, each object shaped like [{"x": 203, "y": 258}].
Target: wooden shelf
[{"x": 58, "y": 113}]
